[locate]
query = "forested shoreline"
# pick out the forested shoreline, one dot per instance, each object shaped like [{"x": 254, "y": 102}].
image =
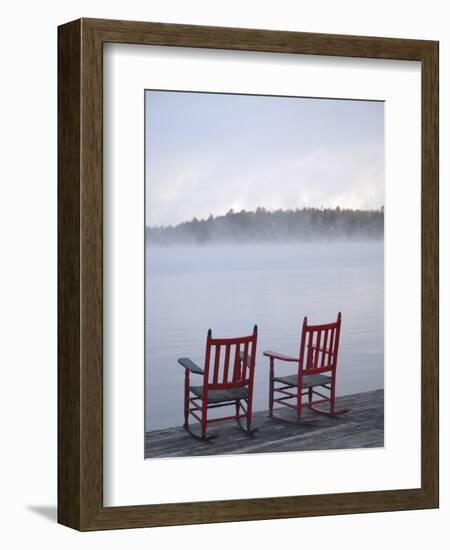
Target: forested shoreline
[{"x": 264, "y": 225}]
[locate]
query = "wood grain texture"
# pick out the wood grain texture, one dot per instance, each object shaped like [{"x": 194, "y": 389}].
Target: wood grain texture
[
  {"x": 69, "y": 246},
  {"x": 362, "y": 426},
  {"x": 430, "y": 273},
  {"x": 80, "y": 264}
]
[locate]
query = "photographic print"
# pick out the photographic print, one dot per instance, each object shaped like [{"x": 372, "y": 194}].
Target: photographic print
[{"x": 264, "y": 274}]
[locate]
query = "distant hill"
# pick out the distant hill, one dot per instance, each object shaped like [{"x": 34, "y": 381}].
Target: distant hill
[{"x": 273, "y": 226}]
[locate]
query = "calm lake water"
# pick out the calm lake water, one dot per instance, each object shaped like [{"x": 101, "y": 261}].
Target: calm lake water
[{"x": 229, "y": 288}]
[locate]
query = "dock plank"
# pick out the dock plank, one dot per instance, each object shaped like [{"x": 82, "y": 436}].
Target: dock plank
[{"x": 362, "y": 427}]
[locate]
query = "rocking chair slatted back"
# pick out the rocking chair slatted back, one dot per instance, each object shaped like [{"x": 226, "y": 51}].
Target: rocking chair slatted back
[
  {"x": 319, "y": 347},
  {"x": 230, "y": 362}
]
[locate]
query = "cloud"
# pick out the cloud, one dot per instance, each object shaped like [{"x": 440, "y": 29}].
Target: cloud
[
  {"x": 197, "y": 183},
  {"x": 207, "y": 153}
]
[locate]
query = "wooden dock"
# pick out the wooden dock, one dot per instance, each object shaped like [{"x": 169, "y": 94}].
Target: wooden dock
[{"x": 363, "y": 426}]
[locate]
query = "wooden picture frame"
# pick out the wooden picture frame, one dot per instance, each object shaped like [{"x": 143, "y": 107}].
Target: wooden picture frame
[{"x": 80, "y": 272}]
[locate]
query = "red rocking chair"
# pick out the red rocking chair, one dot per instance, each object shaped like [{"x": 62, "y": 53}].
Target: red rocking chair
[
  {"x": 316, "y": 369},
  {"x": 227, "y": 381}
]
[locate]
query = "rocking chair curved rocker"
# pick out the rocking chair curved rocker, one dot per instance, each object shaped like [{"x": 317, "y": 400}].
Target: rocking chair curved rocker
[
  {"x": 317, "y": 365},
  {"x": 227, "y": 381}
]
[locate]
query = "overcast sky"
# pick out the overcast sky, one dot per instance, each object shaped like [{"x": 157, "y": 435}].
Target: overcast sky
[{"x": 207, "y": 153}]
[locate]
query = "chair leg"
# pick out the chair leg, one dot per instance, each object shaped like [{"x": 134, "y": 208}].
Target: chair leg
[
  {"x": 332, "y": 411},
  {"x": 204, "y": 414},
  {"x": 186, "y": 426},
  {"x": 248, "y": 429},
  {"x": 186, "y": 398},
  {"x": 202, "y": 435},
  {"x": 271, "y": 388},
  {"x": 299, "y": 402},
  {"x": 332, "y": 396},
  {"x": 249, "y": 415},
  {"x": 298, "y": 418}
]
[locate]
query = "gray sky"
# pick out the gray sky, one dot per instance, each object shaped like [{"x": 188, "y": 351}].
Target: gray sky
[{"x": 207, "y": 153}]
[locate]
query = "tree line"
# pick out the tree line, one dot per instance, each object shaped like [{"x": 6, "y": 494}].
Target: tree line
[{"x": 264, "y": 225}]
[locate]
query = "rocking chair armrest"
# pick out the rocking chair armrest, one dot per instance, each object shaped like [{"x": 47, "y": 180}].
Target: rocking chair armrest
[
  {"x": 190, "y": 365},
  {"x": 281, "y": 356},
  {"x": 241, "y": 357}
]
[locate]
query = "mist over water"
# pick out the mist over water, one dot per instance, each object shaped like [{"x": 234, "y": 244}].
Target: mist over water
[
  {"x": 273, "y": 226},
  {"x": 229, "y": 288}
]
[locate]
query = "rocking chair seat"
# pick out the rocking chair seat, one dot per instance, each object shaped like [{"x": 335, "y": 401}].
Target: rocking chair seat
[
  {"x": 219, "y": 396},
  {"x": 309, "y": 380}
]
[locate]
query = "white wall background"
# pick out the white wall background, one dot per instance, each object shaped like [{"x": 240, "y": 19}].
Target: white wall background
[{"x": 28, "y": 271}]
